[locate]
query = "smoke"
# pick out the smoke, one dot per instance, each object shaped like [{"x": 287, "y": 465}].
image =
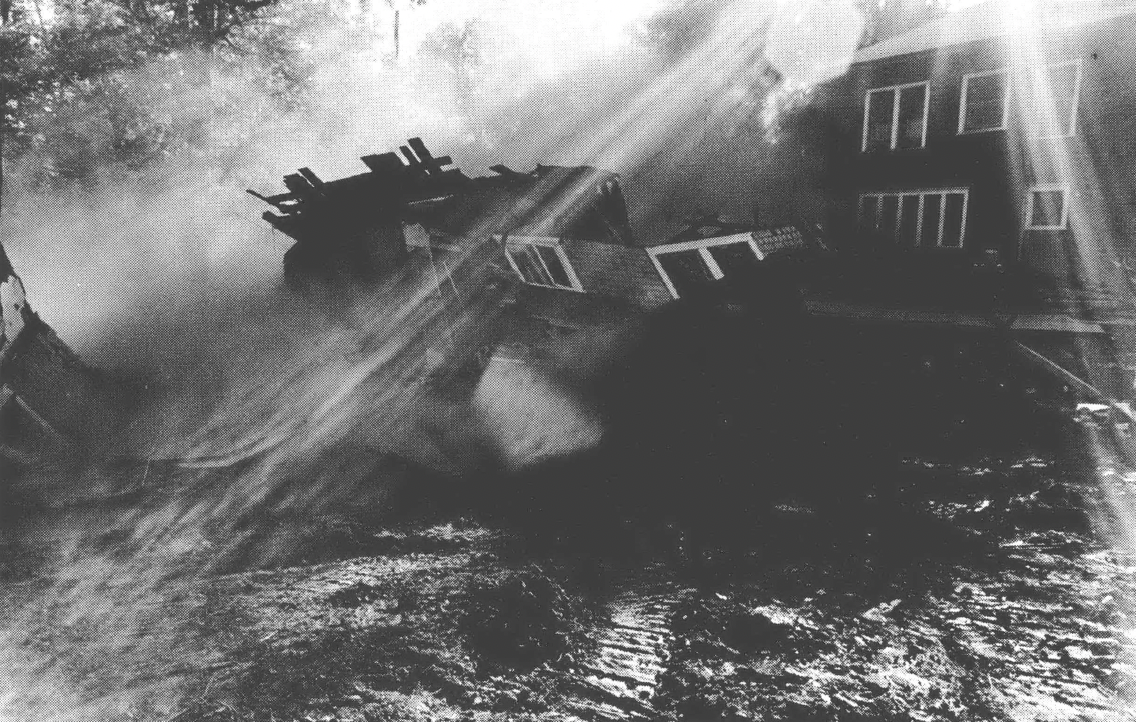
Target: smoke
[
  {"x": 162, "y": 273},
  {"x": 166, "y": 273},
  {"x": 300, "y": 438}
]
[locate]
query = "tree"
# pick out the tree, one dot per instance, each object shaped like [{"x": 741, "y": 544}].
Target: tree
[{"x": 127, "y": 83}]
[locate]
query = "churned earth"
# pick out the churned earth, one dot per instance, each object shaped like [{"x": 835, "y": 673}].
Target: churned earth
[{"x": 992, "y": 598}]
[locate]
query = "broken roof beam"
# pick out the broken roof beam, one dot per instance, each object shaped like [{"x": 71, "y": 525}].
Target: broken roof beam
[
  {"x": 284, "y": 224},
  {"x": 384, "y": 163},
  {"x": 432, "y": 164},
  {"x": 311, "y": 177},
  {"x": 420, "y": 148},
  {"x": 416, "y": 167},
  {"x": 284, "y": 202},
  {"x": 411, "y": 158},
  {"x": 506, "y": 172},
  {"x": 424, "y": 158},
  {"x": 299, "y": 185}
]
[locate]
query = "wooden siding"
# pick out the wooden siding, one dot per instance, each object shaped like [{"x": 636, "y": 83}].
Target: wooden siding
[
  {"x": 998, "y": 167},
  {"x": 622, "y": 272}
]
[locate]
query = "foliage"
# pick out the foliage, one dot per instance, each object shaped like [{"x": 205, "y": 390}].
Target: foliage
[{"x": 112, "y": 86}]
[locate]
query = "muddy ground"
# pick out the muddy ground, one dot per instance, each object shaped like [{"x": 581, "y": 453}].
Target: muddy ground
[{"x": 992, "y": 597}]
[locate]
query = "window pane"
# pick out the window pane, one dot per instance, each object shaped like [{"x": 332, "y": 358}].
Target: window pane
[
  {"x": 953, "y": 221},
  {"x": 734, "y": 259},
  {"x": 911, "y": 106},
  {"x": 686, "y": 270},
  {"x": 888, "y": 217},
  {"x": 908, "y": 220},
  {"x": 555, "y": 267},
  {"x": 1054, "y": 110},
  {"x": 1048, "y": 207},
  {"x": 932, "y": 209},
  {"x": 869, "y": 205},
  {"x": 985, "y": 102},
  {"x": 880, "y": 109},
  {"x": 531, "y": 270}
]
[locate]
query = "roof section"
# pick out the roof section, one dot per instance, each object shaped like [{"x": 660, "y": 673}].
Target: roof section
[
  {"x": 993, "y": 19},
  {"x": 780, "y": 240},
  {"x": 581, "y": 202},
  {"x": 615, "y": 271},
  {"x": 578, "y": 202},
  {"x": 708, "y": 226}
]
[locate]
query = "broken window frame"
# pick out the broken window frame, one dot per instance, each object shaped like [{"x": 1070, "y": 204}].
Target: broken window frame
[
  {"x": 1031, "y": 201},
  {"x": 528, "y": 245},
  {"x": 897, "y": 92},
  {"x": 702, "y": 245},
  {"x": 922, "y": 195},
  {"x": 963, "y": 101}
]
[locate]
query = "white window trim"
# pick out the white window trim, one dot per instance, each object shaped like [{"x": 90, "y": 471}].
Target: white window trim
[
  {"x": 1005, "y": 101},
  {"x": 895, "y": 91},
  {"x": 519, "y": 242},
  {"x": 1071, "y": 130},
  {"x": 701, "y": 245},
  {"x": 1048, "y": 187},
  {"x": 921, "y": 194}
]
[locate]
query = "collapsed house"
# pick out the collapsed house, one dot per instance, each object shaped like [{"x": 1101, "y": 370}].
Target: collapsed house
[
  {"x": 557, "y": 239},
  {"x": 50, "y": 401},
  {"x": 560, "y": 234},
  {"x": 353, "y": 228}
]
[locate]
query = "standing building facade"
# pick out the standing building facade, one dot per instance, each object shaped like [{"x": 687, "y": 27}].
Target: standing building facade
[{"x": 1001, "y": 134}]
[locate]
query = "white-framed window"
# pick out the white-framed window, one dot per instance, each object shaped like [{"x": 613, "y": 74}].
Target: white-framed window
[
  {"x": 691, "y": 264},
  {"x": 895, "y": 118},
  {"x": 542, "y": 262},
  {"x": 925, "y": 218},
  {"x": 1056, "y": 93},
  {"x": 985, "y": 101},
  {"x": 1047, "y": 207},
  {"x": 1053, "y": 95}
]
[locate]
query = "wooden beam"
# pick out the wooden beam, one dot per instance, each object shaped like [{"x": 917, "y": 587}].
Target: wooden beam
[
  {"x": 1064, "y": 374},
  {"x": 411, "y": 158},
  {"x": 386, "y": 163},
  {"x": 312, "y": 177},
  {"x": 505, "y": 171},
  {"x": 420, "y": 148},
  {"x": 42, "y": 422},
  {"x": 297, "y": 184},
  {"x": 277, "y": 200}
]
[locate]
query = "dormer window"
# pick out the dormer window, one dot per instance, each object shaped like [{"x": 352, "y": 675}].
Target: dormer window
[
  {"x": 985, "y": 102},
  {"x": 895, "y": 118},
  {"x": 687, "y": 266},
  {"x": 542, "y": 262}
]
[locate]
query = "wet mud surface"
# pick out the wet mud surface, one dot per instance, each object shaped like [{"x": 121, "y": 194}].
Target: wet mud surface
[{"x": 986, "y": 599}]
